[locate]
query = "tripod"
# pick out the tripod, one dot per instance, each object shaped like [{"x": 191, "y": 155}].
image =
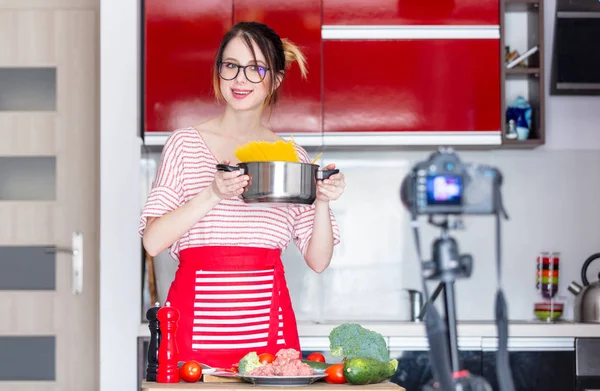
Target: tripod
[{"x": 448, "y": 265}]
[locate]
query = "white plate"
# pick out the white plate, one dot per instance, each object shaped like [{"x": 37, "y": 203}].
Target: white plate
[{"x": 283, "y": 380}]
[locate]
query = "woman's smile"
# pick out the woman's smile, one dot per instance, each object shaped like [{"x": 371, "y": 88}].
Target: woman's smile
[{"x": 239, "y": 93}]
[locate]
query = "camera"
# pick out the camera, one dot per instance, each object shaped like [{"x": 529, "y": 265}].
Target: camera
[{"x": 443, "y": 184}]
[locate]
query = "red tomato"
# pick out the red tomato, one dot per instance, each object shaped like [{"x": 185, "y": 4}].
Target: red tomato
[
  {"x": 266, "y": 358},
  {"x": 191, "y": 371},
  {"x": 335, "y": 374},
  {"x": 316, "y": 357}
]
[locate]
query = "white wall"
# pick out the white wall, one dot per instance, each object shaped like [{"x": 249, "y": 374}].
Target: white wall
[
  {"x": 376, "y": 261},
  {"x": 548, "y": 209},
  {"x": 119, "y": 166}
]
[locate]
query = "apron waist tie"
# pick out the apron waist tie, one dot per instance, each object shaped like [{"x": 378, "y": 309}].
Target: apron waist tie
[{"x": 281, "y": 298}]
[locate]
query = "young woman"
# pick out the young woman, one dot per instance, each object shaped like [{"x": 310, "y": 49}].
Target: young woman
[{"x": 230, "y": 287}]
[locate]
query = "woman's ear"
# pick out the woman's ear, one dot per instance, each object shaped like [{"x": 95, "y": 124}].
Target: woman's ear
[{"x": 278, "y": 79}]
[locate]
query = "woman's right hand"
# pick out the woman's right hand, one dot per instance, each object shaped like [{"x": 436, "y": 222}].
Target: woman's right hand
[{"x": 229, "y": 184}]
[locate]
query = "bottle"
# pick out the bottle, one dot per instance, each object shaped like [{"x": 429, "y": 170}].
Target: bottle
[{"x": 511, "y": 131}]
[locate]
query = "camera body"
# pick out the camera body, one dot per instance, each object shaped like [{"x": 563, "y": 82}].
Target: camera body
[{"x": 443, "y": 184}]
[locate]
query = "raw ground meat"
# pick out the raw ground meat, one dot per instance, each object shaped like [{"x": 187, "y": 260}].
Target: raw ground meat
[{"x": 287, "y": 363}]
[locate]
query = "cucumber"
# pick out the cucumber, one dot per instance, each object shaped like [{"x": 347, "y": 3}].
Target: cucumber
[
  {"x": 368, "y": 370},
  {"x": 317, "y": 366}
]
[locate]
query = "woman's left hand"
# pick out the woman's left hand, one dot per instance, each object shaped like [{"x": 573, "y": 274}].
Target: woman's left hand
[{"x": 331, "y": 189}]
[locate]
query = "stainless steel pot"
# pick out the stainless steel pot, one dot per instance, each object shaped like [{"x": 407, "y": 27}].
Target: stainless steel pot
[{"x": 280, "y": 183}]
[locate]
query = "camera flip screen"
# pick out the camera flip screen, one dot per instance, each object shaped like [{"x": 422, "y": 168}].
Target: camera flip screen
[{"x": 444, "y": 190}]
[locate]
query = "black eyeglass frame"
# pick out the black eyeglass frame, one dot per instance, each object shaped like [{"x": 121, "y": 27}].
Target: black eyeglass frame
[{"x": 219, "y": 63}]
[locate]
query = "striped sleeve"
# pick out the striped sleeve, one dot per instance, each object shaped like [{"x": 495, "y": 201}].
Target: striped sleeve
[
  {"x": 303, "y": 227},
  {"x": 166, "y": 193},
  {"x": 304, "y": 218}
]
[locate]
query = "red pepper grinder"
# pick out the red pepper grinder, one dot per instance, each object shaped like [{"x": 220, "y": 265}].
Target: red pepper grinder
[{"x": 168, "y": 353}]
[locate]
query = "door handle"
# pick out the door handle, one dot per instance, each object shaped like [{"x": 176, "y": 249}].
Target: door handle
[{"x": 76, "y": 252}]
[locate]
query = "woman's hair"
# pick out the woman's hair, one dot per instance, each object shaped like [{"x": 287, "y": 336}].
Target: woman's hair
[{"x": 279, "y": 54}]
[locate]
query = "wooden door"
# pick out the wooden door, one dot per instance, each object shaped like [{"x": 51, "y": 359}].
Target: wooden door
[{"x": 49, "y": 195}]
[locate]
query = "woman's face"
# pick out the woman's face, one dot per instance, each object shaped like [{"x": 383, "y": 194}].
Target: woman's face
[{"x": 239, "y": 92}]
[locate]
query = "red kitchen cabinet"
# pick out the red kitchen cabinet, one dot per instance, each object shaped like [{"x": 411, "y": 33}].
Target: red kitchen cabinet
[
  {"x": 411, "y": 12},
  {"x": 412, "y": 85},
  {"x": 180, "y": 41},
  {"x": 299, "y": 109}
]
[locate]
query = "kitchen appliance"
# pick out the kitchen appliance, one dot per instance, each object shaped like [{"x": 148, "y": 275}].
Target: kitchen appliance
[
  {"x": 575, "y": 54},
  {"x": 279, "y": 183},
  {"x": 587, "y": 364},
  {"x": 587, "y": 297}
]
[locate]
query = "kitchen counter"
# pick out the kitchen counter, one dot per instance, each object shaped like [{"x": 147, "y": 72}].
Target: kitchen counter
[
  {"x": 407, "y": 336},
  {"x": 465, "y": 329},
  {"x": 402, "y": 336},
  {"x": 319, "y": 386}
]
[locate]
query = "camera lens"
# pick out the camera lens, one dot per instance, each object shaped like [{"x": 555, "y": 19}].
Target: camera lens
[{"x": 449, "y": 166}]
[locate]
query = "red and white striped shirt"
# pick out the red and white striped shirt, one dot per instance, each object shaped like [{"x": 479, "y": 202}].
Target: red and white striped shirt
[{"x": 188, "y": 166}]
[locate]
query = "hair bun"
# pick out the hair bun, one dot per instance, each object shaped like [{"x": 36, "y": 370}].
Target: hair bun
[{"x": 293, "y": 53}]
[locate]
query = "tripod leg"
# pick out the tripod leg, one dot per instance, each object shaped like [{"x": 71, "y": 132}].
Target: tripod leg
[{"x": 450, "y": 309}]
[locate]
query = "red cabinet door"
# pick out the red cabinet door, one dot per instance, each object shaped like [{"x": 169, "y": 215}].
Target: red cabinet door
[
  {"x": 411, "y": 12},
  {"x": 181, "y": 39},
  {"x": 299, "y": 109},
  {"x": 411, "y": 85}
]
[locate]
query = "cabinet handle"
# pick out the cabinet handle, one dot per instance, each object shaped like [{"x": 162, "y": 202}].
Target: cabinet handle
[{"x": 76, "y": 252}]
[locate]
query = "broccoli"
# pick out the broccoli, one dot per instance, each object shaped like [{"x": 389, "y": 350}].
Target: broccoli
[
  {"x": 350, "y": 340},
  {"x": 249, "y": 363}
]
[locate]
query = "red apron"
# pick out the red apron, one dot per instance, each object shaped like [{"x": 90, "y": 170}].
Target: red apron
[{"x": 232, "y": 300}]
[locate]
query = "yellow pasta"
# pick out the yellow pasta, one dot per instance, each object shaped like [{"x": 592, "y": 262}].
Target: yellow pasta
[{"x": 264, "y": 151}]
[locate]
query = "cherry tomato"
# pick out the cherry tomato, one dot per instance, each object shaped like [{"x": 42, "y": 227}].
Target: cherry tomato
[
  {"x": 335, "y": 374},
  {"x": 266, "y": 358},
  {"x": 316, "y": 357},
  {"x": 191, "y": 371}
]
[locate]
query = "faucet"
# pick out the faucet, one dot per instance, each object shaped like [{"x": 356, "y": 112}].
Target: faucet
[
  {"x": 417, "y": 307},
  {"x": 416, "y": 304}
]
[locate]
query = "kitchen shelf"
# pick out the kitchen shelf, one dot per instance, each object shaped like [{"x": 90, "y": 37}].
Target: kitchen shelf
[
  {"x": 521, "y": 5},
  {"x": 530, "y": 143},
  {"x": 524, "y": 81},
  {"x": 532, "y": 2},
  {"x": 523, "y": 71},
  {"x": 522, "y": 1}
]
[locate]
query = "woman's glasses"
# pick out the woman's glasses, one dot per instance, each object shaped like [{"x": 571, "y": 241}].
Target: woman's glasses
[{"x": 254, "y": 73}]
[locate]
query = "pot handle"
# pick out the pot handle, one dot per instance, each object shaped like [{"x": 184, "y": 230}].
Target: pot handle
[
  {"x": 225, "y": 167},
  {"x": 585, "y": 266},
  {"x": 324, "y": 174}
]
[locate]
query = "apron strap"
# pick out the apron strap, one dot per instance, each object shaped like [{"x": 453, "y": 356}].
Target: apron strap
[{"x": 281, "y": 298}]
